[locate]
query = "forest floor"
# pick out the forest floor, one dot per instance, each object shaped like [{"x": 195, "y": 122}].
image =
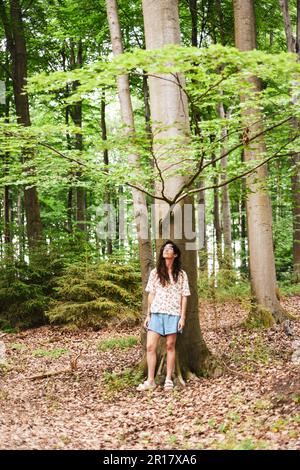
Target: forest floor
[{"x": 254, "y": 405}]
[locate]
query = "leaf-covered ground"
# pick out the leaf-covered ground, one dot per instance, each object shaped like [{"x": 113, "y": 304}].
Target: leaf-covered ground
[{"x": 255, "y": 405}]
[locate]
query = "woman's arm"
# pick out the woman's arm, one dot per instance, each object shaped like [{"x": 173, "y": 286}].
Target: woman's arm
[
  {"x": 183, "y": 312},
  {"x": 150, "y": 300}
]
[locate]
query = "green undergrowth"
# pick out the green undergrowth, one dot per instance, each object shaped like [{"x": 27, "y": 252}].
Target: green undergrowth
[
  {"x": 96, "y": 294},
  {"x": 114, "y": 383},
  {"x": 118, "y": 343},
  {"x": 225, "y": 286}
]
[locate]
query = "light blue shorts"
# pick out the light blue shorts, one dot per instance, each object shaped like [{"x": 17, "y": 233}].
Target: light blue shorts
[{"x": 164, "y": 324}]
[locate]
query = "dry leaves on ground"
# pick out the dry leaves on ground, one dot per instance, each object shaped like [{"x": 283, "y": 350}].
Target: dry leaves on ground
[{"x": 254, "y": 405}]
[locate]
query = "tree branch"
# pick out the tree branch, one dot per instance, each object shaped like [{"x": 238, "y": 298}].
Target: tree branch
[
  {"x": 275, "y": 155},
  {"x": 241, "y": 144}
]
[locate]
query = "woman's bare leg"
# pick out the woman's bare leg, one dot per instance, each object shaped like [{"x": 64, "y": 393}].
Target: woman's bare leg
[
  {"x": 152, "y": 342},
  {"x": 171, "y": 341}
]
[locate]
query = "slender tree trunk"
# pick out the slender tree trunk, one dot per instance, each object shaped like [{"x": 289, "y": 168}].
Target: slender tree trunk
[
  {"x": 147, "y": 110},
  {"x": 293, "y": 46},
  {"x": 226, "y": 210},
  {"x": 121, "y": 218},
  {"x": 203, "y": 258},
  {"x": 284, "y": 4},
  {"x": 7, "y": 199},
  {"x": 221, "y": 25},
  {"x": 243, "y": 225},
  {"x": 139, "y": 199},
  {"x": 76, "y": 61},
  {"x": 202, "y": 254},
  {"x": 217, "y": 224},
  {"x": 107, "y": 199},
  {"x": 20, "y": 219},
  {"x": 169, "y": 108},
  {"x": 13, "y": 25},
  {"x": 296, "y": 179},
  {"x": 258, "y": 203},
  {"x": 194, "y": 17},
  {"x": 69, "y": 147}
]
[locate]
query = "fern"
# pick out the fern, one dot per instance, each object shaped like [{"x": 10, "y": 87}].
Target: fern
[{"x": 93, "y": 295}]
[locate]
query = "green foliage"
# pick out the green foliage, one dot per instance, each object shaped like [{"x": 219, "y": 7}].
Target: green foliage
[
  {"x": 232, "y": 442},
  {"x": 226, "y": 286},
  {"x": 25, "y": 290},
  {"x": 214, "y": 73},
  {"x": 17, "y": 346},
  {"x": 118, "y": 343},
  {"x": 94, "y": 294},
  {"x": 288, "y": 288},
  {"x": 114, "y": 383},
  {"x": 53, "y": 353}
]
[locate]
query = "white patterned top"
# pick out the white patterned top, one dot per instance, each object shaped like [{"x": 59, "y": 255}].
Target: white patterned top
[{"x": 167, "y": 299}]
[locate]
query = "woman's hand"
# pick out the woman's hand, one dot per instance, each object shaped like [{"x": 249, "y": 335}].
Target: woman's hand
[
  {"x": 181, "y": 323},
  {"x": 147, "y": 320}
]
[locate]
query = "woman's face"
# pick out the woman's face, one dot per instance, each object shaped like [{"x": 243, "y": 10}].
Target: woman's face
[{"x": 168, "y": 252}]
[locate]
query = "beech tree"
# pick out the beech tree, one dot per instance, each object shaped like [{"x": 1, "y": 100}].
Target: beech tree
[
  {"x": 139, "y": 199},
  {"x": 258, "y": 203},
  {"x": 11, "y": 16},
  {"x": 170, "y": 118}
]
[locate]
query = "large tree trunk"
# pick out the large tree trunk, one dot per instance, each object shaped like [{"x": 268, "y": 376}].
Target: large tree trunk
[
  {"x": 169, "y": 108},
  {"x": 258, "y": 203},
  {"x": 293, "y": 46},
  {"x": 13, "y": 25},
  {"x": 139, "y": 199}
]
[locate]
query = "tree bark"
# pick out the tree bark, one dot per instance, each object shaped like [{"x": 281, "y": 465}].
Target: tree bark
[
  {"x": 258, "y": 203},
  {"x": 169, "y": 108},
  {"x": 139, "y": 199}
]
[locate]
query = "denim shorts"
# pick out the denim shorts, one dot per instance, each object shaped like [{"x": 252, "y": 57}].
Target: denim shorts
[{"x": 164, "y": 324}]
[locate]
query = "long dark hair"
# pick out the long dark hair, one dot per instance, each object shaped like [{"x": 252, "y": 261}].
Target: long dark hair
[{"x": 161, "y": 267}]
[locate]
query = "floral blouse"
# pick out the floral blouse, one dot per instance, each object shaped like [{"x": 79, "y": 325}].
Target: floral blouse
[{"x": 167, "y": 299}]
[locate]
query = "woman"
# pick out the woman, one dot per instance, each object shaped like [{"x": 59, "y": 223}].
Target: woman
[{"x": 168, "y": 289}]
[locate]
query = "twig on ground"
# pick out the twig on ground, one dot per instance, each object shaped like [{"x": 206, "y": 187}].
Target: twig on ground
[{"x": 69, "y": 370}]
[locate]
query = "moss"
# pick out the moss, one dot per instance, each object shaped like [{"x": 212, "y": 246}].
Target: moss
[{"x": 259, "y": 317}]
